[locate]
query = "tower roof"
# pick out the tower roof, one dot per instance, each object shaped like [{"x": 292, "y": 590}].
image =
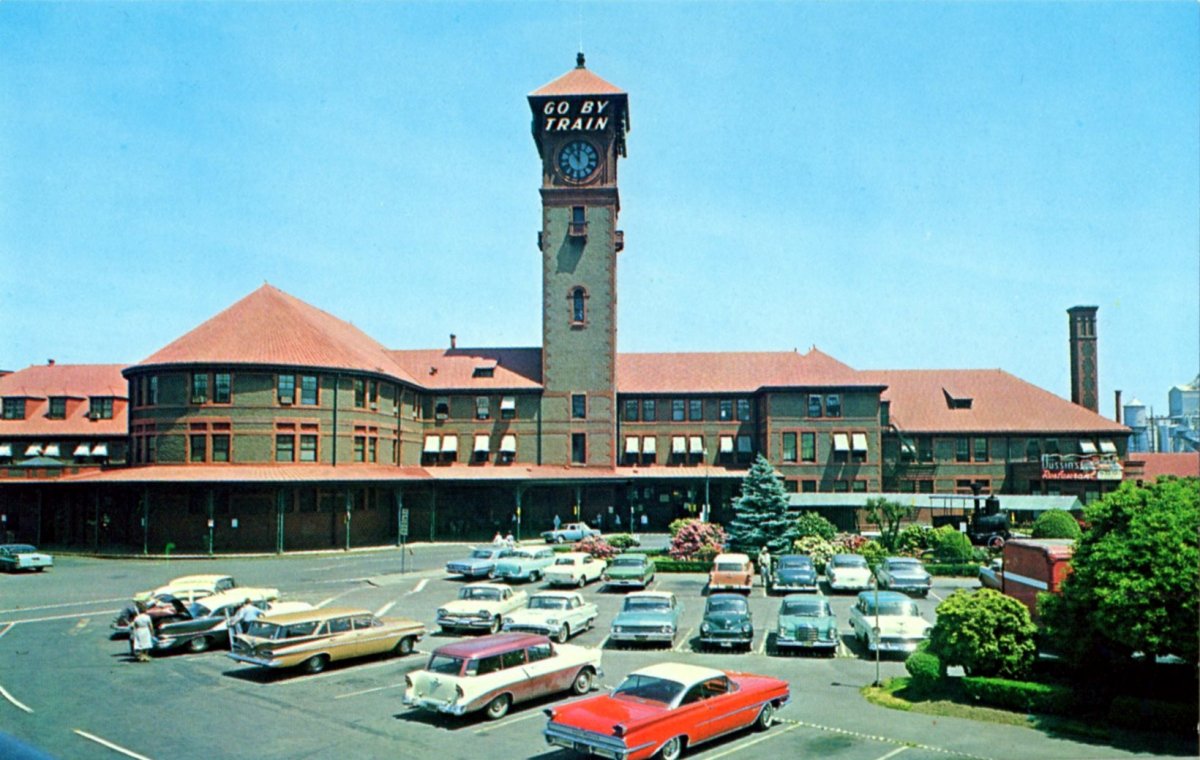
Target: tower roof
[{"x": 577, "y": 81}]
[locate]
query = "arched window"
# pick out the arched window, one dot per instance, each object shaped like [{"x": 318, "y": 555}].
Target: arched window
[{"x": 578, "y": 306}]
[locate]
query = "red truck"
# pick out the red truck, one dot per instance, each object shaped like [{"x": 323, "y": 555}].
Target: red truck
[{"x": 1033, "y": 566}]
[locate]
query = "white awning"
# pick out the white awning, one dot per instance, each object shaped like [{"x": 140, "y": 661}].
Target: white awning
[
  {"x": 82, "y": 450},
  {"x": 481, "y": 442},
  {"x": 33, "y": 450},
  {"x": 433, "y": 444},
  {"x": 1108, "y": 447},
  {"x": 841, "y": 442},
  {"x": 726, "y": 444},
  {"x": 908, "y": 447},
  {"x": 508, "y": 403},
  {"x": 100, "y": 450},
  {"x": 678, "y": 444},
  {"x": 696, "y": 445},
  {"x": 508, "y": 444},
  {"x": 859, "y": 441},
  {"x": 649, "y": 444},
  {"x": 1087, "y": 447},
  {"x": 631, "y": 444},
  {"x": 450, "y": 444},
  {"x": 5, "y": 450},
  {"x": 52, "y": 450}
]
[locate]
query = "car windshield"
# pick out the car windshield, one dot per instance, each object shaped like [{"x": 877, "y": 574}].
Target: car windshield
[
  {"x": 647, "y": 688},
  {"x": 906, "y": 565},
  {"x": 21, "y": 549},
  {"x": 805, "y": 607},
  {"x": 547, "y": 603},
  {"x": 523, "y": 554},
  {"x": 260, "y": 629},
  {"x": 198, "y": 610},
  {"x": 849, "y": 560},
  {"x": 727, "y": 605},
  {"x": 795, "y": 562},
  {"x": 730, "y": 567},
  {"x": 900, "y": 608},
  {"x": 638, "y": 603},
  {"x": 443, "y": 664},
  {"x": 481, "y": 554},
  {"x": 566, "y": 561},
  {"x": 481, "y": 594},
  {"x": 627, "y": 562}
]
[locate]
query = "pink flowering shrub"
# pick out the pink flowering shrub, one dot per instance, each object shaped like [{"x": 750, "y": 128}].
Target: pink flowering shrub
[
  {"x": 597, "y": 547},
  {"x": 697, "y": 540}
]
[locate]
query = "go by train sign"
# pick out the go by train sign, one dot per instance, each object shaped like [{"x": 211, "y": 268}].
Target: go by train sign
[{"x": 588, "y": 115}]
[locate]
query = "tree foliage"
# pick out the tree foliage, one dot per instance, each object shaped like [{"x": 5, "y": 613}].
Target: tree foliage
[
  {"x": 697, "y": 540},
  {"x": 1135, "y": 583},
  {"x": 813, "y": 524},
  {"x": 950, "y": 545},
  {"x": 887, "y": 515},
  {"x": 1056, "y": 524},
  {"x": 986, "y": 632},
  {"x": 761, "y": 511}
]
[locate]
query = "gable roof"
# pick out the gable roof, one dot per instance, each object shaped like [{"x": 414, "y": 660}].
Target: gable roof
[
  {"x": 456, "y": 368},
  {"x": 270, "y": 327},
  {"x": 732, "y": 372},
  {"x": 1000, "y": 403},
  {"x": 79, "y": 382}
]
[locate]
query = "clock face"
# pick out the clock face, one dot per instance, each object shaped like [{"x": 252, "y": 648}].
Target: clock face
[{"x": 577, "y": 160}]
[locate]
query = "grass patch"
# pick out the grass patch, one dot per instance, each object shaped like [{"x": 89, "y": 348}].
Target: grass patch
[{"x": 897, "y": 694}]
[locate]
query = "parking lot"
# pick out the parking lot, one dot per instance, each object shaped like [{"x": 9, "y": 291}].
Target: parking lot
[{"x": 70, "y": 689}]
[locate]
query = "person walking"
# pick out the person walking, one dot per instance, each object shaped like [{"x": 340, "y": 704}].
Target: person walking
[
  {"x": 764, "y": 566},
  {"x": 557, "y": 522},
  {"x": 246, "y": 614},
  {"x": 141, "y": 635}
]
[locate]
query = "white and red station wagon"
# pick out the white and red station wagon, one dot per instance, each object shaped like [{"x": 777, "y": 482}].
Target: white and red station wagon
[{"x": 492, "y": 673}]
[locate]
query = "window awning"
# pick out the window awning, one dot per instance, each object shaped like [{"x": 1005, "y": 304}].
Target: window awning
[
  {"x": 449, "y": 444},
  {"x": 859, "y": 441},
  {"x": 908, "y": 448},
  {"x": 631, "y": 444},
  {"x": 52, "y": 450},
  {"x": 726, "y": 444},
  {"x": 678, "y": 444},
  {"x": 81, "y": 450},
  {"x": 33, "y": 450},
  {"x": 433, "y": 444},
  {"x": 1087, "y": 447},
  {"x": 841, "y": 442},
  {"x": 649, "y": 444},
  {"x": 508, "y": 403},
  {"x": 100, "y": 450},
  {"x": 5, "y": 450},
  {"x": 696, "y": 445},
  {"x": 481, "y": 442},
  {"x": 508, "y": 444},
  {"x": 1108, "y": 447}
]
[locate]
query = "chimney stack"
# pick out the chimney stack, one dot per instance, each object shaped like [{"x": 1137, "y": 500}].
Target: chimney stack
[
  {"x": 453, "y": 341},
  {"x": 1085, "y": 383},
  {"x": 1118, "y": 405}
]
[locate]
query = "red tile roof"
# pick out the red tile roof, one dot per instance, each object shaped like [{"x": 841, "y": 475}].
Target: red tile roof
[
  {"x": 270, "y": 327},
  {"x": 732, "y": 372},
  {"x": 455, "y": 368},
  {"x": 77, "y": 382},
  {"x": 250, "y": 473},
  {"x": 1184, "y": 465},
  {"x": 577, "y": 81},
  {"x": 1000, "y": 403}
]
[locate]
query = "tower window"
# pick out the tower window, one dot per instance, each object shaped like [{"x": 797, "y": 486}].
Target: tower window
[
  {"x": 578, "y": 448},
  {"x": 578, "y": 406},
  {"x": 578, "y": 222},
  {"x": 578, "y": 306}
]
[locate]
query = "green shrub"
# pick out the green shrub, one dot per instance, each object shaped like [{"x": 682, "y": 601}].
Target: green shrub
[
  {"x": 622, "y": 541},
  {"x": 926, "y": 670},
  {"x": 986, "y": 632},
  {"x": 1024, "y": 696},
  {"x": 914, "y": 539},
  {"x": 675, "y": 525},
  {"x": 1056, "y": 524},
  {"x": 813, "y": 524},
  {"x": 953, "y": 570},
  {"x": 873, "y": 551},
  {"x": 1153, "y": 715},
  {"x": 681, "y": 566},
  {"x": 950, "y": 545}
]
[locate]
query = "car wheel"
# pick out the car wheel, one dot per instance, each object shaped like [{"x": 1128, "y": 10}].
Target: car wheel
[
  {"x": 766, "y": 717},
  {"x": 581, "y": 582},
  {"x": 559, "y": 539},
  {"x": 403, "y": 647},
  {"x": 498, "y": 707},
  {"x": 199, "y": 644},
  {"x": 996, "y": 542},
  {"x": 491, "y": 574},
  {"x": 535, "y": 576},
  {"x": 495, "y": 627},
  {"x": 564, "y": 633},
  {"x": 671, "y": 750},
  {"x": 582, "y": 683},
  {"x": 316, "y": 664}
]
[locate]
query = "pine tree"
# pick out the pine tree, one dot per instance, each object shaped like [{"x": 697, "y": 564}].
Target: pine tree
[{"x": 762, "y": 513}]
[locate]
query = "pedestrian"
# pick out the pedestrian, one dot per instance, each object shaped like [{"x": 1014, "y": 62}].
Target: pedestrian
[
  {"x": 557, "y": 522},
  {"x": 645, "y": 522},
  {"x": 497, "y": 540},
  {"x": 141, "y": 635},
  {"x": 245, "y": 615},
  {"x": 764, "y": 566},
  {"x": 617, "y": 522},
  {"x": 508, "y": 540}
]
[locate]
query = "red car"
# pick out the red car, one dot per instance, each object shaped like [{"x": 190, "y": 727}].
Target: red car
[{"x": 664, "y": 709}]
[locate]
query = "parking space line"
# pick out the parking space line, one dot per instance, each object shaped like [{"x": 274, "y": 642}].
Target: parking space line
[
  {"x": 752, "y": 742},
  {"x": 368, "y": 691},
  {"x": 935, "y": 596},
  {"x": 7, "y": 628},
  {"x": 61, "y": 617},
  {"x": 16, "y": 703},
  {"x": 684, "y": 640},
  {"x": 763, "y": 646},
  {"x": 510, "y": 721},
  {"x": 384, "y": 609},
  {"x": 110, "y": 745},
  {"x": 66, "y": 604},
  {"x": 604, "y": 643},
  {"x": 330, "y": 673},
  {"x": 893, "y": 753},
  {"x": 419, "y": 587}
]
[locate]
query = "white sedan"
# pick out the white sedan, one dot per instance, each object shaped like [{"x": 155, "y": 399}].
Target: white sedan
[
  {"x": 848, "y": 572},
  {"x": 575, "y": 569},
  {"x": 558, "y": 614}
]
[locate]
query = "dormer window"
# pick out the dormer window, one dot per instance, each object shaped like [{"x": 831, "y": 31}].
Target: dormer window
[
  {"x": 58, "y": 408},
  {"x": 578, "y": 306},
  {"x": 956, "y": 400},
  {"x": 441, "y": 409},
  {"x": 100, "y": 408},
  {"x": 486, "y": 369}
]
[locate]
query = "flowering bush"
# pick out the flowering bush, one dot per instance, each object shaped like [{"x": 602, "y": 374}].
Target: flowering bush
[
  {"x": 597, "y": 547},
  {"x": 815, "y": 547},
  {"x": 697, "y": 540},
  {"x": 849, "y": 543}
]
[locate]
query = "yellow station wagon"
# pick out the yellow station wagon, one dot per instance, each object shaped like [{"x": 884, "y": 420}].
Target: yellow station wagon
[{"x": 312, "y": 639}]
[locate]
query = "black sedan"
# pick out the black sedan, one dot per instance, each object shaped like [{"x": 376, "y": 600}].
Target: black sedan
[{"x": 727, "y": 622}]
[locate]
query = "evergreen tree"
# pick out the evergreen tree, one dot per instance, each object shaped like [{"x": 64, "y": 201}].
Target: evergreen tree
[{"x": 762, "y": 513}]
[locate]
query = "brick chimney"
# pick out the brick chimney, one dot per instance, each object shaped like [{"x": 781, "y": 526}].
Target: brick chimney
[{"x": 1085, "y": 382}]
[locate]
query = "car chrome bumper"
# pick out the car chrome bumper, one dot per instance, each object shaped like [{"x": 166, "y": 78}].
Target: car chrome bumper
[
  {"x": 907, "y": 645},
  {"x": 729, "y": 587},
  {"x": 665, "y": 638},
  {"x": 255, "y": 660},
  {"x": 588, "y": 743},
  {"x": 541, "y": 630},
  {"x": 639, "y": 582},
  {"x": 433, "y": 705},
  {"x": 465, "y": 622},
  {"x": 793, "y": 587},
  {"x": 781, "y": 641}
]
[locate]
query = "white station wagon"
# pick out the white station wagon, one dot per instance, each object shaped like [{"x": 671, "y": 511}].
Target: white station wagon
[
  {"x": 575, "y": 569},
  {"x": 558, "y": 614}
]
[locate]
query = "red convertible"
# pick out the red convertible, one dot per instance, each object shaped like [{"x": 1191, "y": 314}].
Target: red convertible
[{"x": 664, "y": 709}]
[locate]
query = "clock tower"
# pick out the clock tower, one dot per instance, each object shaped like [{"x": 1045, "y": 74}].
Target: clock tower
[{"x": 579, "y": 127}]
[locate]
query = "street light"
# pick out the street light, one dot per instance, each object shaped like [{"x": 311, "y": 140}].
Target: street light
[
  {"x": 875, "y": 630},
  {"x": 704, "y": 513}
]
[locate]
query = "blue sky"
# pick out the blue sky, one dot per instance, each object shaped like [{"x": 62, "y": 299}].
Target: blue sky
[{"x": 904, "y": 185}]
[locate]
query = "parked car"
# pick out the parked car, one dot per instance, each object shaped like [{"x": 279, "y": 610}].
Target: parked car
[
  {"x": 624, "y": 570},
  {"x": 558, "y": 614},
  {"x": 576, "y": 531},
  {"x": 481, "y": 563},
  {"x": 903, "y": 574},
  {"x": 901, "y": 627},
  {"x": 161, "y": 609},
  {"x": 848, "y": 572},
  {"x": 314, "y": 638},
  {"x": 660, "y": 710},
  {"x": 647, "y": 616},
  {"x": 992, "y": 576},
  {"x": 727, "y": 622},
  {"x": 492, "y": 673},
  {"x": 794, "y": 572},
  {"x": 806, "y": 622},
  {"x": 731, "y": 572},
  {"x": 169, "y": 603},
  {"x": 17, "y": 557},
  {"x": 189, "y": 588},
  {"x": 574, "y": 569},
  {"x": 207, "y": 621},
  {"x": 480, "y": 607},
  {"x": 524, "y": 564}
]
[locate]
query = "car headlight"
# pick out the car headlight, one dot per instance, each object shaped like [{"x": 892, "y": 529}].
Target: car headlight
[
  {"x": 483, "y": 614},
  {"x": 668, "y": 628},
  {"x": 551, "y": 621},
  {"x": 616, "y": 629},
  {"x": 604, "y": 577},
  {"x": 441, "y": 612},
  {"x": 747, "y": 628},
  {"x": 830, "y": 634},
  {"x": 705, "y": 628}
]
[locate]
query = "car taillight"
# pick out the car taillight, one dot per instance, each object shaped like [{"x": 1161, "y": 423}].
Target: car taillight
[{"x": 619, "y": 729}]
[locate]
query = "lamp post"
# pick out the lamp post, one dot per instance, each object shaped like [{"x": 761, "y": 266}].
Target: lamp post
[
  {"x": 875, "y": 589},
  {"x": 704, "y": 513}
]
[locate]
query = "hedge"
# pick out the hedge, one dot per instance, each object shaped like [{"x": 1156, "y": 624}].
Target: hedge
[
  {"x": 958, "y": 569},
  {"x": 1023, "y": 696},
  {"x": 663, "y": 565},
  {"x": 925, "y": 668},
  {"x": 1153, "y": 715}
]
